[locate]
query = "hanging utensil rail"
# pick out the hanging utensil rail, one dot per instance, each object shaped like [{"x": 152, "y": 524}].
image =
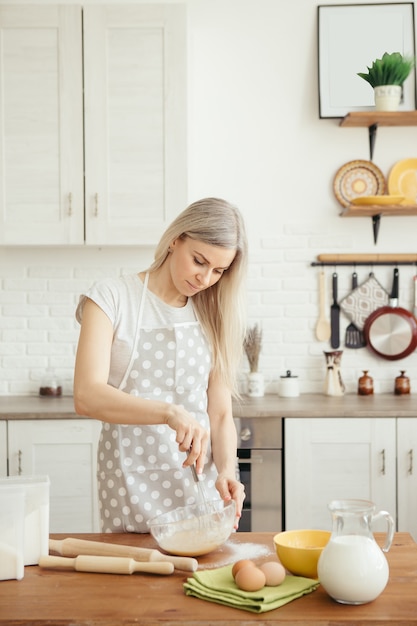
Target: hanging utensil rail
[{"x": 364, "y": 259}]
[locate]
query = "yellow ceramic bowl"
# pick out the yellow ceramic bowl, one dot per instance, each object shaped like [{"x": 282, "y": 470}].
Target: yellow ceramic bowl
[{"x": 299, "y": 550}]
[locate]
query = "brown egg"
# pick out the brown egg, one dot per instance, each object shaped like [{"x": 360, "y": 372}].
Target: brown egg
[
  {"x": 250, "y": 578},
  {"x": 274, "y": 573},
  {"x": 239, "y": 564}
]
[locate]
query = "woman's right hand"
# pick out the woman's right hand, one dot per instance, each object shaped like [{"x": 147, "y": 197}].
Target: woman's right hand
[{"x": 190, "y": 436}]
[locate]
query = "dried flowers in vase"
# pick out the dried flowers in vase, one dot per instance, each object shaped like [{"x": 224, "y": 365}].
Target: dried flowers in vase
[{"x": 253, "y": 344}]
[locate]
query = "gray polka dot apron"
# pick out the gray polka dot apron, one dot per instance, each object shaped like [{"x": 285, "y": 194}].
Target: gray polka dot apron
[{"x": 140, "y": 472}]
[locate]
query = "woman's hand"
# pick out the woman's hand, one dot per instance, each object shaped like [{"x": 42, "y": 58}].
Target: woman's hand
[
  {"x": 231, "y": 489},
  {"x": 190, "y": 436}
]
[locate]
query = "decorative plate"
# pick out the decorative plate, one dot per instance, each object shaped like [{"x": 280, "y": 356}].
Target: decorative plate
[
  {"x": 358, "y": 178},
  {"x": 368, "y": 200},
  {"x": 403, "y": 179}
]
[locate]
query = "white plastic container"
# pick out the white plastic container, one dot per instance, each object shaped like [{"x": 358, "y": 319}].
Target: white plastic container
[
  {"x": 36, "y": 514},
  {"x": 12, "y": 517},
  {"x": 288, "y": 386}
]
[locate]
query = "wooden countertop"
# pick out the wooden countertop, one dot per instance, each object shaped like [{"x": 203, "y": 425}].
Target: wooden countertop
[
  {"x": 51, "y": 597},
  {"x": 271, "y": 405},
  {"x": 319, "y": 405}
]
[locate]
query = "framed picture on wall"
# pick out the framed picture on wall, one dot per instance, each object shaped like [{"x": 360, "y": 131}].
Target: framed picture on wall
[{"x": 350, "y": 38}]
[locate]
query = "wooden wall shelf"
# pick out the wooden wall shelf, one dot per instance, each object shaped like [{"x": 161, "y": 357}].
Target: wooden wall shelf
[
  {"x": 381, "y": 118},
  {"x": 377, "y": 209},
  {"x": 372, "y": 119}
]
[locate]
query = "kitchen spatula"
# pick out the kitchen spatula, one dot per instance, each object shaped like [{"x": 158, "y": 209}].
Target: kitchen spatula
[
  {"x": 335, "y": 316},
  {"x": 354, "y": 337}
]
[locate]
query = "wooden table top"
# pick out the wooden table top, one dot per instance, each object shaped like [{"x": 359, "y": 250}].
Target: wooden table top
[{"x": 46, "y": 597}]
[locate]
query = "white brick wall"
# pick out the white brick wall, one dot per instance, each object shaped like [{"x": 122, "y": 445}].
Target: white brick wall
[
  {"x": 39, "y": 292},
  {"x": 40, "y": 289}
]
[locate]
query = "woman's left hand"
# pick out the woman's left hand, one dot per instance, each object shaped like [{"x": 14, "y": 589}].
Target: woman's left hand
[{"x": 231, "y": 489}]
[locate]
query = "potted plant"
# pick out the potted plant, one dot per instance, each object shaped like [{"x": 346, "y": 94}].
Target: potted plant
[
  {"x": 386, "y": 76},
  {"x": 252, "y": 345}
]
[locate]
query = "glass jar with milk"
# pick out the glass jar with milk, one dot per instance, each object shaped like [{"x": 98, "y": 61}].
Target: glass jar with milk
[{"x": 352, "y": 567}]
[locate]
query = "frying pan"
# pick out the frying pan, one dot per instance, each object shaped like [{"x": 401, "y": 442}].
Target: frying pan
[{"x": 391, "y": 331}]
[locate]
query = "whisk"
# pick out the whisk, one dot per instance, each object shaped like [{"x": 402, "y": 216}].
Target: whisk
[
  {"x": 206, "y": 506},
  {"x": 202, "y": 492},
  {"x": 211, "y": 515}
]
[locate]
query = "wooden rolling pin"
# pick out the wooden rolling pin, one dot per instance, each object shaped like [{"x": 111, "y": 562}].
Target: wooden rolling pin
[
  {"x": 105, "y": 564},
  {"x": 74, "y": 547}
]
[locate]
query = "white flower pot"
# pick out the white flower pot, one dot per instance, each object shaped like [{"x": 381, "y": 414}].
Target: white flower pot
[
  {"x": 256, "y": 385},
  {"x": 387, "y": 97}
]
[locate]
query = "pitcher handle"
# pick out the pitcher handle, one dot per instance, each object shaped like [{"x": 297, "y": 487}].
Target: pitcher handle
[{"x": 390, "y": 529}]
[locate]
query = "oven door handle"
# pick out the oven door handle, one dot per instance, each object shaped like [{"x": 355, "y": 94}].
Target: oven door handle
[{"x": 255, "y": 458}]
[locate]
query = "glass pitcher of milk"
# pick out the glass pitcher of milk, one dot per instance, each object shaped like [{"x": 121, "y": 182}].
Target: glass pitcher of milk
[{"x": 352, "y": 567}]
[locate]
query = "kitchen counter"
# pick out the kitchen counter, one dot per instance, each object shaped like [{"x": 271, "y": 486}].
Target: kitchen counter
[
  {"x": 319, "y": 405},
  {"x": 271, "y": 405},
  {"x": 51, "y": 597}
]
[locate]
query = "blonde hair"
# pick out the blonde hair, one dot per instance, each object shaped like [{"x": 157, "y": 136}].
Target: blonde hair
[{"x": 220, "y": 308}]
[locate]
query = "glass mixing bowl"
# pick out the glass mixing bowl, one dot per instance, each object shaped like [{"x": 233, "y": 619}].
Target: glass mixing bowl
[{"x": 195, "y": 529}]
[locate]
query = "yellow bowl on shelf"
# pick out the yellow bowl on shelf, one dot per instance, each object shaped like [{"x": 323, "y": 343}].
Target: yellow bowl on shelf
[{"x": 299, "y": 550}]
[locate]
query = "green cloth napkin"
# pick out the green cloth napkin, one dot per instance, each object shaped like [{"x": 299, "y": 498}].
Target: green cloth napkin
[{"x": 217, "y": 585}]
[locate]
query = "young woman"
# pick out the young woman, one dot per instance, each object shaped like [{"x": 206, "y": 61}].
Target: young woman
[{"x": 156, "y": 362}]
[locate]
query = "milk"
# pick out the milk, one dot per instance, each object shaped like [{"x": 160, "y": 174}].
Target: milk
[{"x": 353, "y": 569}]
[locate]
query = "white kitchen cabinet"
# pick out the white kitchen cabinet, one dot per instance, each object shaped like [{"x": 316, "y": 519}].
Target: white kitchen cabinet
[
  {"x": 340, "y": 458},
  {"x": 93, "y": 123},
  {"x": 66, "y": 451},
  {"x": 41, "y": 141},
  {"x": 3, "y": 448},
  {"x": 135, "y": 121},
  {"x": 407, "y": 475}
]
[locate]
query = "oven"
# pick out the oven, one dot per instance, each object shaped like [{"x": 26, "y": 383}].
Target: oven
[{"x": 260, "y": 463}]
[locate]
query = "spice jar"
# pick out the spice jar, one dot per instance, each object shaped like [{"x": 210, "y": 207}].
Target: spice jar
[
  {"x": 402, "y": 384},
  {"x": 50, "y": 385},
  {"x": 365, "y": 384}
]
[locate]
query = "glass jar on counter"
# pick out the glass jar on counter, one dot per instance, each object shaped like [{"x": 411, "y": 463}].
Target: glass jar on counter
[
  {"x": 365, "y": 384},
  {"x": 50, "y": 385},
  {"x": 402, "y": 384}
]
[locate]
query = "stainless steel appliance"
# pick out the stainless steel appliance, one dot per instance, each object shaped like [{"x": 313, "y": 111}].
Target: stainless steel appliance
[{"x": 260, "y": 467}]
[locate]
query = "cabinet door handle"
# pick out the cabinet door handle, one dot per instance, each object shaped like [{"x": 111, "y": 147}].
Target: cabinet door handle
[
  {"x": 70, "y": 204},
  {"x": 19, "y": 463},
  {"x": 383, "y": 462},
  {"x": 96, "y": 205},
  {"x": 410, "y": 462}
]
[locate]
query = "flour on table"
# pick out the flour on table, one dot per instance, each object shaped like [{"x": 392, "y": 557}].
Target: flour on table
[{"x": 231, "y": 552}]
